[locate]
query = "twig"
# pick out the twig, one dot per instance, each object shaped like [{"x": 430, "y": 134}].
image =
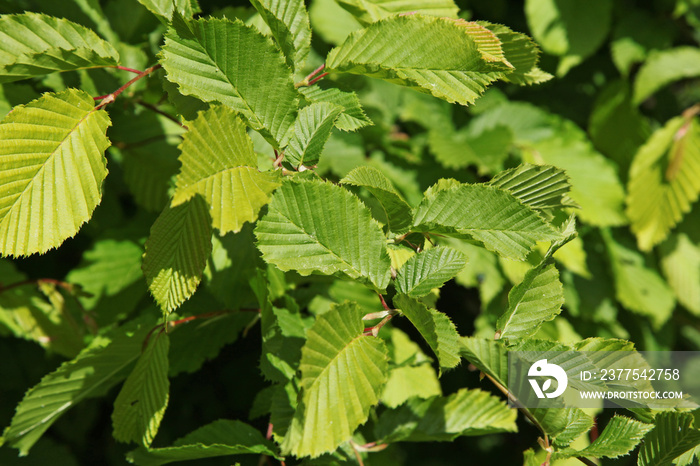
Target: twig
[
  {"x": 310, "y": 80},
  {"x": 586, "y": 461},
  {"x": 109, "y": 98},
  {"x": 124, "y": 68}
]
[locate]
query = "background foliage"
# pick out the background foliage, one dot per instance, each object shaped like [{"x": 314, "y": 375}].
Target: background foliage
[{"x": 265, "y": 300}]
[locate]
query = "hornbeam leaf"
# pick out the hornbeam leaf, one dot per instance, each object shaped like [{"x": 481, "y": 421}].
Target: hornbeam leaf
[
  {"x": 638, "y": 287},
  {"x": 442, "y": 419},
  {"x": 217, "y": 60},
  {"x": 618, "y": 438},
  {"x": 306, "y": 229},
  {"x": 539, "y": 186},
  {"x": 52, "y": 166},
  {"x": 535, "y": 300},
  {"x": 369, "y": 11},
  {"x": 141, "y": 403},
  {"x": 664, "y": 181},
  {"x": 311, "y": 131},
  {"x": 488, "y": 214},
  {"x": 289, "y": 23},
  {"x": 220, "y": 438},
  {"x": 342, "y": 375},
  {"x": 429, "y": 269},
  {"x": 219, "y": 163},
  {"x": 522, "y": 52},
  {"x": 663, "y": 67},
  {"x": 453, "y": 60},
  {"x": 398, "y": 213},
  {"x": 437, "y": 329},
  {"x": 489, "y": 356},
  {"x": 93, "y": 372},
  {"x": 353, "y": 116},
  {"x": 681, "y": 267},
  {"x": 33, "y": 44},
  {"x": 673, "y": 435},
  {"x": 550, "y": 21},
  {"x": 176, "y": 253},
  {"x": 166, "y": 8}
]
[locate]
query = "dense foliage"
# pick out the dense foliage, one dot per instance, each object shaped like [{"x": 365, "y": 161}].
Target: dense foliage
[{"x": 310, "y": 232}]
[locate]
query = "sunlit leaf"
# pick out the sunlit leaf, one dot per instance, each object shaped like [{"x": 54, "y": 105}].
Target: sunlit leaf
[
  {"x": 342, "y": 374},
  {"x": 176, "y": 253},
  {"x": 218, "y": 162},
  {"x": 429, "y": 269},
  {"x": 451, "y": 59},
  {"x": 33, "y": 44},
  {"x": 194, "y": 59},
  {"x": 52, "y": 166},
  {"x": 664, "y": 181},
  {"x": 306, "y": 226},
  {"x": 437, "y": 329}
]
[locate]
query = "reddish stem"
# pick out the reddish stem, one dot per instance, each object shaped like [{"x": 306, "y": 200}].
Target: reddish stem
[
  {"x": 307, "y": 81},
  {"x": 381, "y": 298},
  {"x": 317, "y": 79},
  {"x": 124, "y": 68},
  {"x": 109, "y": 98}
]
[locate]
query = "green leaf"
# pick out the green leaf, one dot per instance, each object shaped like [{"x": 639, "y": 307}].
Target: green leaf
[
  {"x": 673, "y": 435},
  {"x": 437, "y": 329},
  {"x": 398, "y": 213},
  {"x": 407, "y": 382},
  {"x": 488, "y": 214},
  {"x": 108, "y": 268},
  {"x": 681, "y": 268},
  {"x": 141, "y": 403},
  {"x": 537, "y": 299},
  {"x": 310, "y": 133},
  {"x": 353, "y": 116},
  {"x": 618, "y": 438},
  {"x": 429, "y": 269},
  {"x": 220, "y": 438},
  {"x": 568, "y": 28},
  {"x": 638, "y": 287},
  {"x": 664, "y": 181},
  {"x": 305, "y": 229},
  {"x": 539, "y": 186},
  {"x": 51, "y": 170},
  {"x": 369, "y": 11},
  {"x": 563, "y": 424},
  {"x": 37, "y": 312},
  {"x": 443, "y": 419},
  {"x": 451, "y": 59},
  {"x": 663, "y": 67},
  {"x": 617, "y": 128},
  {"x": 487, "y": 150},
  {"x": 489, "y": 356},
  {"x": 193, "y": 59},
  {"x": 289, "y": 23},
  {"x": 166, "y": 8},
  {"x": 33, "y": 44},
  {"x": 218, "y": 162},
  {"x": 92, "y": 373},
  {"x": 342, "y": 375},
  {"x": 176, "y": 253},
  {"x": 522, "y": 53}
]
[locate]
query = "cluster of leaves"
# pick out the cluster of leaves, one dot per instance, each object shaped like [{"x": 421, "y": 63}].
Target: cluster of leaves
[{"x": 334, "y": 217}]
